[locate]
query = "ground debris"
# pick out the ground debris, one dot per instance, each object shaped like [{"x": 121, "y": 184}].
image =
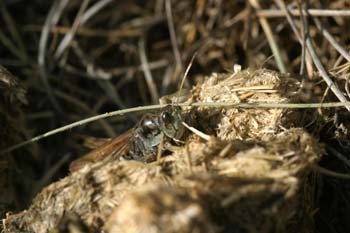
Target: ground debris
[
  {"x": 248, "y": 177},
  {"x": 249, "y": 86}
]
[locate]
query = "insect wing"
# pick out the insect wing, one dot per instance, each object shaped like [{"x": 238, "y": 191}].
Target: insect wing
[
  {"x": 116, "y": 147},
  {"x": 93, "y": 143}
]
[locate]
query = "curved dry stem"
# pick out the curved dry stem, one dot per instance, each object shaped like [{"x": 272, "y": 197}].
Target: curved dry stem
[
  {"x": 176, "y": 51},
  {"x": 274, "y": 13},
  {"x": 315, "y": 58},
  {"x": 51, "y": 20},
  {"x": 270, "y": 38},
  {"x": 159, "y": 106},
  {"x": 147, "y": 71}
]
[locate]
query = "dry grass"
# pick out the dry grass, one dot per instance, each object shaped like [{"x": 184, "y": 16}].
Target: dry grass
[
  {"x": 201, "y": 182},
  {"x": 81, "y": 58}
]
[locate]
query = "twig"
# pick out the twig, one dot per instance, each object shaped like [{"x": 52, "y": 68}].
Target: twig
[
  {"x": 327, "y": 172},
  {"x": 314, "y": 56},
  {"x": 158, "y": 106},
  {"x": 324, "y": 73},
  {"x": 197, "y": 132},
  {"x": 79, "y": 123},
  {"x": 99, "y": 5},
  {"x": 186, "y": 73},
  {"x": 304, "y": 27},
  {"x": 339, "y": 155},
  {"x": 331, "y": 39},
  {"x": 51, "y": 20},
  {"x": 146, "y": 70},
  {"x": 70, "y": 35},
  {"x": 296, "y": 12},
  {"x": 247, "y": 26},
  {"x": 92, "y": 32},
  {"x": 176, "y": 51},
  {"x": 82, "y": 17},
  {"x": 152, "y": 65},
  {"x": 270, "y": 38}
]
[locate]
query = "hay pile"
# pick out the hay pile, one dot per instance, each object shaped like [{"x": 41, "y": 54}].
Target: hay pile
[
  {"x": 249, "y": 86},
  {"x": 250, "y": 176}
]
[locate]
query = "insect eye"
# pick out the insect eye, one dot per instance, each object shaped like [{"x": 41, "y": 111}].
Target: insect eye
[{"x": 167, "y": 117}]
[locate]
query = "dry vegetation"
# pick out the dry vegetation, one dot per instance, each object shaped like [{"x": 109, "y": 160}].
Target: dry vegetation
[{"x": 251, "y": 169}]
